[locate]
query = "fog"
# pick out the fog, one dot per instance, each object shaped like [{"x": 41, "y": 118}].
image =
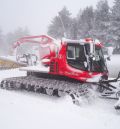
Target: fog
[
  {"x": 20, "y": 18},
  {"x": 36, "y": 14}
]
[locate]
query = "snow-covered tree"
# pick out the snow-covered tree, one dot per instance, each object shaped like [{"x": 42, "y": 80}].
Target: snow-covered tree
[
  {"x": 74, "y": 29},
  {"x": 61, "y": 24},
  {"x": 102, "y": 21},
  {"x": 21, "y": 32},
  {"x": 115, "y": 23},
  {"x": 18, "y": 33},
  {"x": 85, "y": 22}
]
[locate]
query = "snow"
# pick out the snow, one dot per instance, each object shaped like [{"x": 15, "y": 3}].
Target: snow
[
  {"x": 12, "y": 58},
  {"x": 27, "y": 110},
  {"x": 95, "y": 78},
  {"x": 37, "y": 68},
  {"x": 110, "y": 51},
  {"x": 114, "y": 65},
  {"x": 11, "y": 73}
]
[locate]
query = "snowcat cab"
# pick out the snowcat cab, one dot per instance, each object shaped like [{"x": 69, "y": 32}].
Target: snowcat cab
[
  {"x": 81, "y": 60},
  {"x": 86, "y": 56}
]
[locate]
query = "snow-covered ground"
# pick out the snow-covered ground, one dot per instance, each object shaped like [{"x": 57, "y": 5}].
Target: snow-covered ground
[{"x": 26, "y": 110}]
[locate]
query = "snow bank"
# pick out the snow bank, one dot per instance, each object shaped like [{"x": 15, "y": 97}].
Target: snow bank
[
  {"x": 11, "y": 73},
  {"x": 11, "y": 58}
]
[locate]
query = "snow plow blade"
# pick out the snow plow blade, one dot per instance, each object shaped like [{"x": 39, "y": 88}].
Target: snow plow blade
[
  {"x": 109, "y": 90},
  {"x": 9, "y": 64},
  {"x": 107, "y": 84}
]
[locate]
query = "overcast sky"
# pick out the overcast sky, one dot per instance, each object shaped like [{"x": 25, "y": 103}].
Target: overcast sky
[{"x": 36, "y": 14}]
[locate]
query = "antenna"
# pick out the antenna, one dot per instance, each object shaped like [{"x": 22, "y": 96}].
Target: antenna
[{"x": 65, "y": 35}]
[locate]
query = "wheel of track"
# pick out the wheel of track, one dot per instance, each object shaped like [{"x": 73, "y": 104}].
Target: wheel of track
[
  {"x": 61, "y": 93},
  {"x": 49, "y": 91}
]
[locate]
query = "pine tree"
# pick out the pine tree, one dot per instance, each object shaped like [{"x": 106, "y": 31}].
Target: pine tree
[
  {"x": 60, "y": 24},
  {"x": 85, "y": 22},
  {"x": 115, "y": 23},
  {"x": 102, "y": 21},
  {"x": 74, "y": 29}
]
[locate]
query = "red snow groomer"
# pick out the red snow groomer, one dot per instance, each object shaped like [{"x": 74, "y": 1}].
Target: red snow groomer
[
  {"x": 57, "y": 67},
  {"x": 82, "y": 60}
]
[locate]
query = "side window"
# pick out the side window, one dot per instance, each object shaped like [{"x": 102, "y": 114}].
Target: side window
[
  {"x": 71, "y": 52},
  {"x": 76, "y": 56}
]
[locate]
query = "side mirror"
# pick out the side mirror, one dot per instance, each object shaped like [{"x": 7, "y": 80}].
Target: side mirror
[{"x": 108, "y": 58}]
